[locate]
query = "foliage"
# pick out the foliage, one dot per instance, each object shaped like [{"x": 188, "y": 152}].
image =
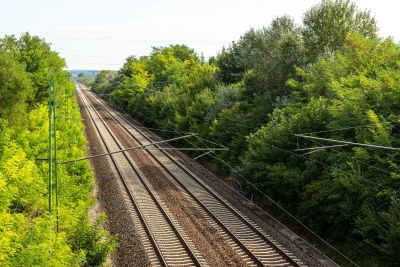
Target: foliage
[
  {"x": 16, "y": 89},
  {"x": 102, "y": 81},
  {"x": 83, "y": 78},
  {"x": 327, "y": 24},
  {"x": 39, "y": 61},
  {"x": 331, "y": 189},
  {"x": 91, "y": 239},
  {"x": 27, "y": 232},
  {"x": 265, "y": 59}
]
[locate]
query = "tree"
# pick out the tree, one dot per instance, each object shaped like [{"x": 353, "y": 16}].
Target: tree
[
  {"x": 15, "y": 89},
  {"x": 264, "y": 59},
  {"x": 327, "y": 25},
  {"x": 278, "y": 81},
  {"x": 103, "y": 80},
  {"x": 335, "y": 191},
  {"x": 391, "y": 233},
  {"x": 40, "y": 62},
  {"x": 85, "y": 79},
  {"x": 230, "y": 69}
]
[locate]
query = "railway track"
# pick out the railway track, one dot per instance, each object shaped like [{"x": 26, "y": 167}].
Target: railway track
[
  {"x": 165, "y": 244},
  {"x": 248, "y": 240}
]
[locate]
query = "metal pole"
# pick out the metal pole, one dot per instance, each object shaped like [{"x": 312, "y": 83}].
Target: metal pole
[
  {"x": 65, "y": 101},
  {"x": 55, "y": 158},
  {"x": 50, "y": 106}
]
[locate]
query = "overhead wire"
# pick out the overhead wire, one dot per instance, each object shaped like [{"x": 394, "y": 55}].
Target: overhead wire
[
  {"x": 156, "y": 129},
  {"x": 169, "y": 129},
  {"x": 276, "y": 204},
  {"x": 286, "y": 212},
  {"x": 348, "y": 128},
  {"x": 308, "y": 137},
  {"x": 211, "y": 142},
  {"x": 213, "y": 155},
  {"x": 151, "y": 128},
  {"x": 327, "y": 165},
  {"x": 360, "y": 161}
]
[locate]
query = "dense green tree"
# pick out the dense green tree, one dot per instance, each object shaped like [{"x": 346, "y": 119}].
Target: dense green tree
[
  {"x": 231, "y": 70},
  {"x": 39, "y": 61},
  {"x": 15, "y": 89},
  {"x": 330, "y": 189},
  {"x": 265, "y": 59},
  {"x": 85, "y": 79},
  {"x": 102, "y": 82},
  {"x": 391, "y": 233},
  {"x": 27, "y": 232},
  {"x": 173, "y": 79},
  {"x": 327, "y": 24}
]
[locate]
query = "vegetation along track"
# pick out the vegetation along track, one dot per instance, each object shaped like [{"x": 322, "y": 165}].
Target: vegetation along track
[{"x": 250, "y": 242}]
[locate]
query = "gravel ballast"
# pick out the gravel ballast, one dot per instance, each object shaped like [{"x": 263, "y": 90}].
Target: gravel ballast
[{"x": 119, "y": 222}]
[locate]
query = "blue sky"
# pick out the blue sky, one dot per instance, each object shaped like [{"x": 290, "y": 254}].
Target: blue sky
[{"x": 101, "y": 34}]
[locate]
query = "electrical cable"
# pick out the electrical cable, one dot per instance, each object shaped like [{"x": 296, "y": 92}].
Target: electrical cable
[
  {"x": 348, "y": 128},
  {"x": 327, "y": 165},
  {"x": 208, "y": 141},
  {"x": 286, "y": 212},
  {"x": 367, "y": 164},
  {"x": 279, "y": 206},
  {"x": 374, "y": 167}
]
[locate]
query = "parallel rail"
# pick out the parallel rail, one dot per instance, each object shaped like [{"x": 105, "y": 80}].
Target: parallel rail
[
  {"x": 260, "y": 247},
  {"x": 165, "y": 236}
]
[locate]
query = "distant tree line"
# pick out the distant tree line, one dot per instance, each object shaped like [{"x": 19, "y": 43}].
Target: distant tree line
[{"x": 331, "y": 75}]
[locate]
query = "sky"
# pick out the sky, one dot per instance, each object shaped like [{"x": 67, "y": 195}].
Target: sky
[{"x": 100, "y": 34}]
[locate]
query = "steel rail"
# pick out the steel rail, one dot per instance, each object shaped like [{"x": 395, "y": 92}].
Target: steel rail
[
  {"x": 145, "y": 184},
  {"x": 250, "y": 225}
]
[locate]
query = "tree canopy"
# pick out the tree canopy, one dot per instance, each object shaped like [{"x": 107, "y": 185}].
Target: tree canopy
[
  {"x": 16, "y": 89},
  {"x": 37, "y": 59},
  {"x": 27, "y": 231},
  {"x": 327, "y": 24}
]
